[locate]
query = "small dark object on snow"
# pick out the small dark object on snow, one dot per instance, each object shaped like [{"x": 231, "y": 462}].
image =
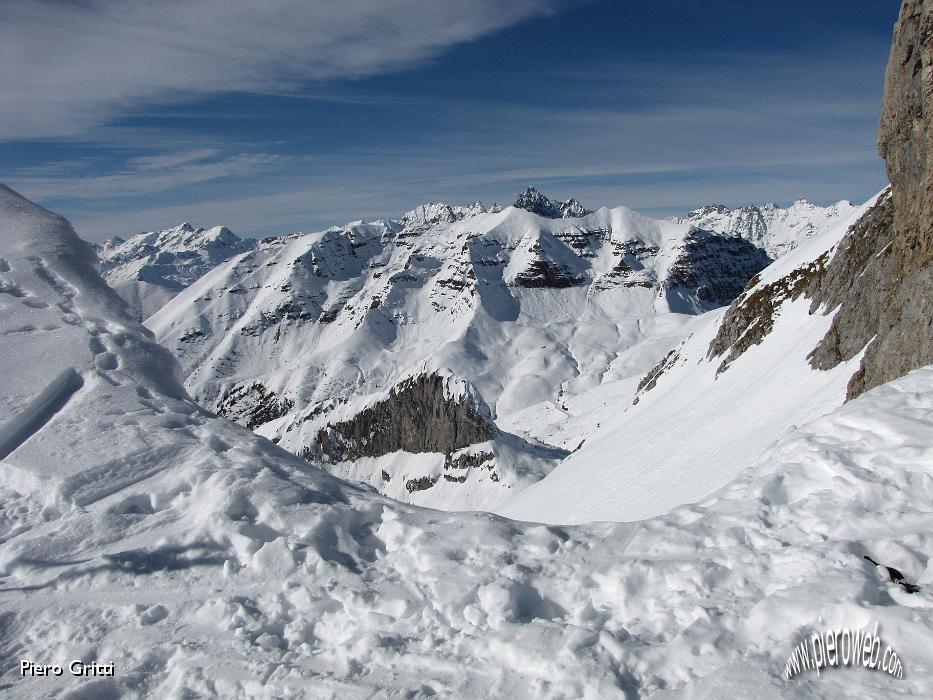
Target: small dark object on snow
[{"x": 896, "y": 577}]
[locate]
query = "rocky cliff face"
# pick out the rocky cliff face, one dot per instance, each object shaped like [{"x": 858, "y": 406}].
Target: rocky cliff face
[
  {"x": 712, "y": 270},
  {"x": 879, "y": 280},
  {"x": 426, "y": 413},
  {"x": 882, "y": 275}
]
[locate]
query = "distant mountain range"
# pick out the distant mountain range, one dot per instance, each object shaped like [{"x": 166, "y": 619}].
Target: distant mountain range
[
  {"x": 770, "y": 227},
  {"x": 151, "y": 267},
  {"x": 315, "y": 340}
]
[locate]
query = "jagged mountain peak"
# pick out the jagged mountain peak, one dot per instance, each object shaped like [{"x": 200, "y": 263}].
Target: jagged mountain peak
[{"x": 534, "y": 201}]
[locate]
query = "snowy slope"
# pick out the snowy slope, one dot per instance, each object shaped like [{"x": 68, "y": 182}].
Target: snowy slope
[
  {"x": 776, "y": 229},
  {"x": 151, "y": 267},
  {"x": 528, "y": 310},
  {"x": 205, "y": 562},
  {"x": 703, "y": 418}
]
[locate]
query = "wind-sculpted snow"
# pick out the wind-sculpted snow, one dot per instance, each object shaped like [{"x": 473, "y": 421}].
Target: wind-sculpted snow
[
  {"x": 31, "y": 418},
  {"x": 203, "y": 561},
  {"x": 530, "y": 311}
]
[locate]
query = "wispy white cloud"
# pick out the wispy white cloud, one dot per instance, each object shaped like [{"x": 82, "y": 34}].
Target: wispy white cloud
[
  {"x": 665, "y": 136},
  {"x": 70, "y": 66},
  {"x": 144, "y": 175}
]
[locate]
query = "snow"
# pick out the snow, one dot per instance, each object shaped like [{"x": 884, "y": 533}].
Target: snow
[
  {"x": 699, "y": 427},
  {"x": 152, "y": 267},
  {"x": 332, "y": 320},
  {"x": 776, "y": 229},
  {"x": 204, "y": 561}
]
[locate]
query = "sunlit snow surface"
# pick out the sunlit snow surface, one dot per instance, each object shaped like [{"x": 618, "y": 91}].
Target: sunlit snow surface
[
  {"x": 699, "y": 427},
  {"x": 204, "y": 561}
]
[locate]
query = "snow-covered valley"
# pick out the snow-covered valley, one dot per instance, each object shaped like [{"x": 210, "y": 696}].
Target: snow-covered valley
[{"x": 544, "y": 313}]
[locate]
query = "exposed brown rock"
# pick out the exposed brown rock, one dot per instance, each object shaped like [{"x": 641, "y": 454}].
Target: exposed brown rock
[
  {"x": 888, "y": 300},
  {"x": 421, "y": 484},
  {"x": 856, "y": 282},
  {"x": 649, "y": 381},
  {"x": 750, "y": 317},
  {"x": 880, "y": 277}
]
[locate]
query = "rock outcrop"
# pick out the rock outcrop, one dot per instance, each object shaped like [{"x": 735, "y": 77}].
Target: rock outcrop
[
  {"x": 426, "y": 413},
  {"x": 535, "y": 202},
  {"x": 882, "y": 275},
  {"x": 879, "y": 280},
  {"x": 252, "y": 405}
]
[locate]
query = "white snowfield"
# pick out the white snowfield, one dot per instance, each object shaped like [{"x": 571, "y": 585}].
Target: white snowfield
[{"x": 203, "y": 561}]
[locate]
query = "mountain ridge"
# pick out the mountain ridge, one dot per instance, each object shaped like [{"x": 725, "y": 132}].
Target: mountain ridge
[
  {"x": 298, "y": 332},
  {"x": 776, "y": 229}
]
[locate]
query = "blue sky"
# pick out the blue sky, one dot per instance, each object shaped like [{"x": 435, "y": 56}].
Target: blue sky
[{"x": 288, "y": 115}]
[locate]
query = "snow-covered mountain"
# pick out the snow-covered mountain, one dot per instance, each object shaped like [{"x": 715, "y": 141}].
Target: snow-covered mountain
[
  {"x": 203, "y": 561},
  {"x": 151, "y": 267},
  {"x": 775, "y": 229},
  {"x": 438, "y": 212},
  {"x": 488, "y": 318},
  {"x": 739, "y": 380}
]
